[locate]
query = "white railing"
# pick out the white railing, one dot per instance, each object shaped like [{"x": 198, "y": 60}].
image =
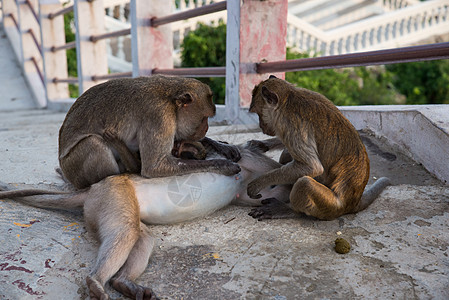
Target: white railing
[
  {"x": 396, "y": 28},
  {"x": 398, "y": 4}
]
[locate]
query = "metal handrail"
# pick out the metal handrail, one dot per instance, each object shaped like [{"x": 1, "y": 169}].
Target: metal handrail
[
  {"x": 94, "y": 38},
  {"x": 13, "y": 20},
  {"x": 60, "y": 12},
  {"x": 379, "y": 57},
  {"x": 34, "y": 61},
  {"x": 27, "y": 2},
  {"x": 191, "y": 13},
  {"x": 33, "y": 36},
  {"x": 66, "y": 46},
  {"x": 65, "y": 80},
  {"x": 193, "y": 72},
  {"x": 112, "y": 76}
]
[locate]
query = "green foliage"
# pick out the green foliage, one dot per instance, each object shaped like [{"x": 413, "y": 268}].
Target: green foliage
[
  {"x": 349, "y": 86},
  {"x": 71, "y": 53},
  {"x": 422, "y": 82},
  {"x": 206, "y": 47}
]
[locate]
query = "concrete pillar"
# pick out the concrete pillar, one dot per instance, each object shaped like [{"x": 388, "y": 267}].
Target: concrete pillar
[
  {"x": 10, "y": 19},
  {"x": 31, "y": 52},
  {"x": 55, "y": 63},
  {"x": 263, "y": 38},
  {"x": 232, "y": 107},
  {"x": 152, "y": 47},
  {"x": 91, "y": 56}
]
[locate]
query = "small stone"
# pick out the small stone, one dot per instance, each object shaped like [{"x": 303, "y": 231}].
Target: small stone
[{"x": 342, "y": 246}]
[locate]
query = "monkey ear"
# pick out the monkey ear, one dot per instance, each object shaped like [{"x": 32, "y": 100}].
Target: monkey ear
[
  {"x": 272, "y": 76},
  {"x": 184, "y": 99},
  {"x": 270, "y": 96}
]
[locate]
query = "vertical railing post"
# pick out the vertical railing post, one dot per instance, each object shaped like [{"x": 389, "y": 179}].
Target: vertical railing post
[
  {"x": 263, "y": 36},
  {"x": 91, "y": 56},
  {"x": 232, "y": 100},
  {"x": 31, "y": 52},
  {"x": 55, "y": 63},
  {"x": 151, "y": 47}
]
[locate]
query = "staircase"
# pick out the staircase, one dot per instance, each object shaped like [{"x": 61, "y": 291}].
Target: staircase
[{"x": 329, "y": 27}]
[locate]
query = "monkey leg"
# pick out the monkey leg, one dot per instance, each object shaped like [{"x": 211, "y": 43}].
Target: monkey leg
[
  {"x": 88, "y": 162},
  {"x": 112, "y": 255},
  {"x": 315, "y": 199},
  {"x": 272, "y": 209},
  {"x": 285, "y": 157},
  {"x": 134, "y": 267}
]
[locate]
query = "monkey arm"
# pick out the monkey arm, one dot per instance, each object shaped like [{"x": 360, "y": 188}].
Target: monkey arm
[
  {"x": 287, "y": 174},
  {"x": 229, "y": 151},
  {"x": 171, "y": 165},
  {"x": 130, "y": 160},
  {"x": 265, "y": 145}
]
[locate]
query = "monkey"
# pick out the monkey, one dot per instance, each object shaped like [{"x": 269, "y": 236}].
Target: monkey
[
  {"x": 149, "y": 114},
  {"x": 117, "y": 209},
  {"x": 325, "y": 159}
]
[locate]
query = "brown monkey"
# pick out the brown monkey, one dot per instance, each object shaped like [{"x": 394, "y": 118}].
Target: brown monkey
[
  {"x": 149, "y": 114},
  {"x": 117, "y": 208},
  {"x": 328, "y": 167}
]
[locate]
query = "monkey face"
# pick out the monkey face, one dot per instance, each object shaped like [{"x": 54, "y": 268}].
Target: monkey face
[
  {"x": 266, "y": 129},
  {"x": 261, "y": 108},
  {"x": 193, "y": 115}
]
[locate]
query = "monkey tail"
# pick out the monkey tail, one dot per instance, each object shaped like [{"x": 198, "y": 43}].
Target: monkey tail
[
  {"x": 45, "y": 198},
  {"x": 369, "y": 195}
]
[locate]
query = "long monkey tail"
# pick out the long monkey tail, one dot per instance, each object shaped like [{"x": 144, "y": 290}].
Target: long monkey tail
[
  {"x": 45, "y": 198},
  {"x": 369, "y": 195}
]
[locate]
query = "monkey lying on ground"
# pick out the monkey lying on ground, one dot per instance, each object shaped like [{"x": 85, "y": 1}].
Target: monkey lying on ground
[
  {"x": 325, "y": 161},
  {"x": 116, "y": 208},
  {"x": 148, "y": 114}
]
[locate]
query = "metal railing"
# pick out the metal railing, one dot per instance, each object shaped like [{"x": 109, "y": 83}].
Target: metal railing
[{"x": 92, "y": 68}]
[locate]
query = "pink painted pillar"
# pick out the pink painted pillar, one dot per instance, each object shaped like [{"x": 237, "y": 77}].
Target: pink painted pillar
[
  {"x": 263, "y": 38},
  {"x": 152, "y": 47}
]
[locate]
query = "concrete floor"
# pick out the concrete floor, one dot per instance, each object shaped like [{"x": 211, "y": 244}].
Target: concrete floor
[{"x": 399, "y": 244}]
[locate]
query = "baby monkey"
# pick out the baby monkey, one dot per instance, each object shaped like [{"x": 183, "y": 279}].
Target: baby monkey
[
  {"x": 117, "y": 208},
  {"x": 325, "y": 159}
]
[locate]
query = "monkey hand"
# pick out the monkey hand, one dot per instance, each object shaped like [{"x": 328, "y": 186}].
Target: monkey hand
[
  {"x": 253, "y": 189},
  {"x": 229, "y": 151},
  {"x": 256, "y": 145},
  {"x": 226, "y": 167}
]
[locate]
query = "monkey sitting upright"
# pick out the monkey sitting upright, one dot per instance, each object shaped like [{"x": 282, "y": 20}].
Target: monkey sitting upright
[
  {"x": 117, "y": 208},
  {"x": 328, "y": 167},
  {"x": 148, "y": 114}
]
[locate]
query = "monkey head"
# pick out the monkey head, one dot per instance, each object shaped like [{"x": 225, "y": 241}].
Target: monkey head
[
  {"x": 194, "y": 108},
  {"x": 266, "y": 97}
]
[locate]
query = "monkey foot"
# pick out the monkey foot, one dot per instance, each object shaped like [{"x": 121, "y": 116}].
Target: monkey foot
[
  {"x": 272, "y": 209},
  {"x": 96, "y": 290},
  {"x": 133, "y": 290}
]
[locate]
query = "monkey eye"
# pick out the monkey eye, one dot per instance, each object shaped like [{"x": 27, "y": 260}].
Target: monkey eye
[{"x": 273, "y": 186}]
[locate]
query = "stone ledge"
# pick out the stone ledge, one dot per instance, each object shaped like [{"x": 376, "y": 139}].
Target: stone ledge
[{"x": 421, "y": 131}]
